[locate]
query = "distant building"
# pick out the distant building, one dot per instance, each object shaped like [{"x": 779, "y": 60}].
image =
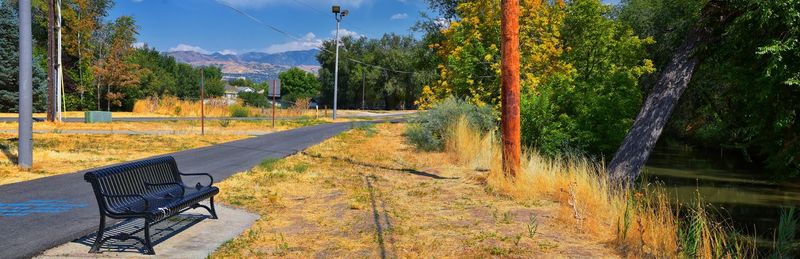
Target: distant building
[{"x": 232, "y": 92}]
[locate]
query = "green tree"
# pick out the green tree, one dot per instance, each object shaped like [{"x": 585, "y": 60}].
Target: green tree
[
  {"x": 9, "y": 65},
  {"x": 298, "y": 84}
]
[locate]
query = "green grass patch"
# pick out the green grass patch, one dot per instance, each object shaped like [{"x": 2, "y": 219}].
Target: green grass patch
[{"x": 268, "y": 164}]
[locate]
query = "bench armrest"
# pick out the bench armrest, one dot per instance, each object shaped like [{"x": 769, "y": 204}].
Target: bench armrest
[
  {"x": 180, "y": 186},
  {"x": 146, "y": 204},
  {"x": 210, "y": 178}
]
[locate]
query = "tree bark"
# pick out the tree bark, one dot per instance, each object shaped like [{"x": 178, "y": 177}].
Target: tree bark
[{"x": 645, "y": 131}]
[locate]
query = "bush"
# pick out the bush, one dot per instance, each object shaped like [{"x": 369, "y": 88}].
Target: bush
[
  {"x": 430, "y": 129},
  {"x": 239, "y": 111},
  {"x": 254, "y": 99}
]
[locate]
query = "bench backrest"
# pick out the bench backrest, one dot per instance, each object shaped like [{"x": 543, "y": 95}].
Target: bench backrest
[{"x": 130, "y": 178}]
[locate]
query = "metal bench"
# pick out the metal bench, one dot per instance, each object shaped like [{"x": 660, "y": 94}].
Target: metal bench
[{"x": 150, "y": 189}]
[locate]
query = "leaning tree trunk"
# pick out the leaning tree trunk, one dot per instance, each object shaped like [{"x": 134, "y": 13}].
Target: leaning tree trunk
[{"x": 658, "y": 106}]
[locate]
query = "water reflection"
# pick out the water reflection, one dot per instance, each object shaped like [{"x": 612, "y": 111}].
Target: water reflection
[{"x": 735, "y": 189}]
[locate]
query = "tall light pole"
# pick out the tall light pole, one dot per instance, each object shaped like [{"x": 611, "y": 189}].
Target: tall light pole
[
  {"x": 25, "y": 151},
  {"x": 338, "y": 14}
]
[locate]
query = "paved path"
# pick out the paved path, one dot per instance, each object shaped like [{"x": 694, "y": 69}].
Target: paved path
[
  {"x": 43, "y": 213},
  {"x": 146, "y": 132}
]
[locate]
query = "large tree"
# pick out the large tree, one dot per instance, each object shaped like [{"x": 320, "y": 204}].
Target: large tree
[
  {"x": 298, "y": 84},
  {"x": 654, "y": 114},
  {"x": 9, "y": 64},
  {"x": 113, "y": 72}
]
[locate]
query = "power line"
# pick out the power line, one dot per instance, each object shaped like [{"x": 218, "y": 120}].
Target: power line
[{"x": 289, "y": 35}]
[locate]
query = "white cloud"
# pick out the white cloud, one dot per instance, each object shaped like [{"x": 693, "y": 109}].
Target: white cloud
[
  {"x": 309, "y": 41},
  {"x": 399, "y": 16},
  {"x": 227, "y": 52},
  {"x": 320, "y": 3},
  {"x": 344, "y": 33},
  {"x": 185, "y": 47},
  {"x": 139, "y": 45}
]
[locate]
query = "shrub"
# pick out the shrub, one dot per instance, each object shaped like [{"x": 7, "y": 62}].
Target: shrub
[
  {"x": 430, "y": 129},
  {"x": 239, "y": 111},
  {"x": 254, "y": 99}
]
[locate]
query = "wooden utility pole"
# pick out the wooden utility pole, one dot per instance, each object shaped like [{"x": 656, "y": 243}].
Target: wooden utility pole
[
  {"x": 52, "y": 75},
  {"x": 274, "y": 92},
  {"x": 509, "y": 70},
  {"x": 202, "y": 103}
]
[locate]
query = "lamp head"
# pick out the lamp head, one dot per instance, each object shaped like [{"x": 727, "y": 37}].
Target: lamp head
[
  {"x": 344, "y": 13},
  {"x": 335, "y": 9}
]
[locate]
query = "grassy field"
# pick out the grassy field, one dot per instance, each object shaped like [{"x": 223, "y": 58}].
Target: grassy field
[
  {"x": 213, "y": 127},
  {"x": 62, "y": 153},
  {"x": 367, "y": 193}
]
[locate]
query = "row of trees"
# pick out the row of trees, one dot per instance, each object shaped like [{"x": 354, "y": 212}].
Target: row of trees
[
  {"x": 102, "y": 68},
  {"x": 383, "y": 73}
]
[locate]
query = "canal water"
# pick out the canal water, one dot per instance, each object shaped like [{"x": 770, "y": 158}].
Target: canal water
[{"x": 735, "y": 189}]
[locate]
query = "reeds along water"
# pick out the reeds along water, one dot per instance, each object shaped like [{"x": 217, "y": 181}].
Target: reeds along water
[{"x": 641, "y": 221}]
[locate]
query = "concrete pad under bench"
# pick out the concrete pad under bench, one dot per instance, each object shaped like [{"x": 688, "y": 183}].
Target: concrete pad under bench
[{"x": 188, "y": 235}]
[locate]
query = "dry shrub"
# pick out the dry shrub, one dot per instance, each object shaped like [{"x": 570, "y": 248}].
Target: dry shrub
[
  {"x": 170, "y": 105},
  {"x": 641, "y": 222},
  {"x": 300, "y": 106}
]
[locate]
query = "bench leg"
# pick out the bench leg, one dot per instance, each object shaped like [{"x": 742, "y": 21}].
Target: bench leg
[
  {"x": 148, "y": 246},
  {"x": 98, "y": 239},
  {"x": 213, "y": 209}
]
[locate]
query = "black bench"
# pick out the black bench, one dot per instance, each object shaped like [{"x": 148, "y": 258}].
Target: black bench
[{"x": 150, "y": 189}]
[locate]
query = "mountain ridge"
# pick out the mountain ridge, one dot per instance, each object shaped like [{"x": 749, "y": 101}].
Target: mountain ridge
[{"x": 256, "y": 66}]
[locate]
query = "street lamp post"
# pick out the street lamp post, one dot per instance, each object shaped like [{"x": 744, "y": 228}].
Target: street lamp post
[{"x": 338, "y": 14}]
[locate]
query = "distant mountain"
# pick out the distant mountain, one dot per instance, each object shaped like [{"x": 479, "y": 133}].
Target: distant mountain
[{"x": 256, "y": 66}]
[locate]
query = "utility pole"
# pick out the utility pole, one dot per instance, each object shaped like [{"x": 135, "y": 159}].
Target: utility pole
[
  {"x": 509, "y": 70},
  {"x": 25, "y": 147},
  {"x": 52, "y": 76},
  {"x": 202, "y": 103},
  {"x": 363, "y": 92},
  {"x": 338, "y": 14},
  {"x": 59, "y": 69},
  {"x": 274, "y": 93}
]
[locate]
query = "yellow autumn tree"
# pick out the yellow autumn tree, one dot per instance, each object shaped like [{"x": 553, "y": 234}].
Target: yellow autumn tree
[{"x": 471, "y": 51}]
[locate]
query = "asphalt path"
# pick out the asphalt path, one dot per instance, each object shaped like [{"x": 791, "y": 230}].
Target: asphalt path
[{"x": 43, "y": 213}]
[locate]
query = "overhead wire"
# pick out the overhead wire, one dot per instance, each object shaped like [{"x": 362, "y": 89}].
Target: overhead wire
[{"x": 291, "y": 36}]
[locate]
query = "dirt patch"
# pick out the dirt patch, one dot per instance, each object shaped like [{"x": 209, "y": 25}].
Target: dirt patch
[{"x": 368, "y": 194}]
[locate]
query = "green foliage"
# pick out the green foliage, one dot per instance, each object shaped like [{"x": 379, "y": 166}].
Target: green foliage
[
  {"x": 590, "y": 108},
  {"x": 238, "y": 111},
  {"x": 430, "y": 129},
  {"x": 161, "y": 75},
  {"x": 743, "y": 96},
  {"x": 254, "y": 99},
  {"x": 9, "y": 65},
  {"x": 298, "y": 84},
  {"x": 787, "y": 231},
  {"x": 387, "y": 89}
]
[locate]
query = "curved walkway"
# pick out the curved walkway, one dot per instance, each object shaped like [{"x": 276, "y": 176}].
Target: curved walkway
[{"x": 46, "y": 212}]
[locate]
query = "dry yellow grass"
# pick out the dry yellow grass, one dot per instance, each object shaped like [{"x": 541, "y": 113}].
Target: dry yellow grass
[
  {"x": 80, "y": 114},
  {"x": 368, "y": 193},
  {"x": 173, "y": 106},
  {"x": 212, "y": 127},
  {"x": 639, "y": 222},
  {"x": 61, "y": 153}
]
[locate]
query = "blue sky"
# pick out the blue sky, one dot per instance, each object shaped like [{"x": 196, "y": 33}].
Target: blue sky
[{"x": 209, "y": 26}]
